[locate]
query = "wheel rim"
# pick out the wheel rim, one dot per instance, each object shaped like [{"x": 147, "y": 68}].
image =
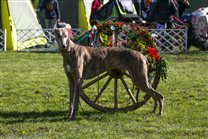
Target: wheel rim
[{"x": 119, "y": 81}]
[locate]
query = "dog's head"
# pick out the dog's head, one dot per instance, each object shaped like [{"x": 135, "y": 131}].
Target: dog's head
[{"x": 63, "y": 33}]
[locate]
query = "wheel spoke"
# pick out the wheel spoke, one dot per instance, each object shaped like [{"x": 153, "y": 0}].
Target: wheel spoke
[
  {"x": 95, "y": 80},
  {"x": 128, "y": 91},
  {"x": 116, "y": 93},
  {"x": 102, "y": 89},
  {"x": 126, "y": 74}
]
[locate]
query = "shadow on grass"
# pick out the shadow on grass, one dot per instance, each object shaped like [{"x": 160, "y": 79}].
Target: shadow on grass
[
  {"x": 18, "y": 117},
  {"x": 46, "y": 116}
]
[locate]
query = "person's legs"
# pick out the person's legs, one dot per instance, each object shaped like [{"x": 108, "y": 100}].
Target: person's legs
[
  {"x": 47, "y": 23},
  {"x": 161, "y": 26},
  {"x": 50, "y": 23},
  {"x": 137, "y": 5}
]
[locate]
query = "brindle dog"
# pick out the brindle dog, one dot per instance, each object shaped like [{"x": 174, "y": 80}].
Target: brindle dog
[{"x": 82, "y": 62}]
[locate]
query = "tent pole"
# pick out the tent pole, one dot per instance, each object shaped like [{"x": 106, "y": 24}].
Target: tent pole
[{"x": 5, "y": 39}]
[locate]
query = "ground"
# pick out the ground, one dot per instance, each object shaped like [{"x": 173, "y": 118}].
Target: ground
[{"x": 34, "y": 102}]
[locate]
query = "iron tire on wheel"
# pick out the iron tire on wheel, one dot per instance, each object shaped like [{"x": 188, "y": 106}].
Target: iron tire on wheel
[{"x": 114, "y": 106}]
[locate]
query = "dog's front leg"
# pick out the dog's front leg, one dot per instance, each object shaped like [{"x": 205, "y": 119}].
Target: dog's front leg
[
  {"x": 71, "y": 93},
  {"x": 74, "y": 101},
  {"x": 78, "y": 85}
]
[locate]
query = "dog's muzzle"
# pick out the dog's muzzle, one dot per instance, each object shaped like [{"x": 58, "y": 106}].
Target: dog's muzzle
[{"x": 61, "y": 38}]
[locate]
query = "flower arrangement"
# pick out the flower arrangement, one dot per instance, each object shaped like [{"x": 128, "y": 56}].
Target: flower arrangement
[
  {"x": 105, "y": 28},
  {"x": 139, "y": 39}
]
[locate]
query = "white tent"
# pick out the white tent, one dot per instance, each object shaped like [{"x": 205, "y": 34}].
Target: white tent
[{"x": 19, "y": 14}]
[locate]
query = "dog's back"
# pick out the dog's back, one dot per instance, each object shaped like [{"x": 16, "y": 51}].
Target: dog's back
[{"x": 99, "y": 60}]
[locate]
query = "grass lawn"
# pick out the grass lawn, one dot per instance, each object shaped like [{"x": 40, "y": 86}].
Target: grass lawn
[{"x": 34, "y": 102}]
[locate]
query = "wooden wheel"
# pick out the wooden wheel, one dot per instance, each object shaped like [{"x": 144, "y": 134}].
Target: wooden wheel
[{"x": 114, "y": 91}]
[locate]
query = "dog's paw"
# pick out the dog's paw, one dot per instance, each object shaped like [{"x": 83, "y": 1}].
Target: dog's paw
[
  {"x": 69, "y": 118},
  {"x": 159, "y": 114}
]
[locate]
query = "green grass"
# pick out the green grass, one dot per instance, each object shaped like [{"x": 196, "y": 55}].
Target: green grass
[{"x": 34, "y": 101}]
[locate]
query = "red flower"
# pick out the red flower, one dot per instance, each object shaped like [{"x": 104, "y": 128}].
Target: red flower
[
  {"x": 109, "y": 22},
  {"x": 111, "y": 41},
  {"x": 149, "y": 39},
  {"x": 143, "y": 33},
  {"x": 153, "y": 53},
  {"x": 120, "y": 24}
]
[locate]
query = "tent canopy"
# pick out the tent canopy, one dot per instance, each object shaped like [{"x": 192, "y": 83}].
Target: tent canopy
[
  {"x": 18, "y": 14},
  {"x": 120, "y": 9}
]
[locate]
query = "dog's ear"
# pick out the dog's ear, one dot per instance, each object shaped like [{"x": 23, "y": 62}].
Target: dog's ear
[
  {"x": 69, "y": 33},
  {"x": 69, "y": 30}
]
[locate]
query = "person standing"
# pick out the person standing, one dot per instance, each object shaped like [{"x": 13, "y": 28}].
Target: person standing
[
  {"x": 145, "y": 6},
  {"x": 96, "y": 5},
  {"x": 52, "y": 12},
  {"x": 183, "y": 5},
  {"x": 137, "y": 5},
  {"x": 161, "y": 11}
]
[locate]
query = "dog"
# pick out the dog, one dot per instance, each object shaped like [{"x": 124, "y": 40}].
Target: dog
[{"x": 83, "y": 62}]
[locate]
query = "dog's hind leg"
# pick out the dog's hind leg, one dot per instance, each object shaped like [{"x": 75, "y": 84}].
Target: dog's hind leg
[
  {"x": 140, "y": 79},
  {"x": 155, "y": 106},
  {"x": 156, "y": 96},
  {"x": 142, "y": 83}
]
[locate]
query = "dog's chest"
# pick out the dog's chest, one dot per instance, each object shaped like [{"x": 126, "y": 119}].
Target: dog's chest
[{"x": 70, "y": 63}]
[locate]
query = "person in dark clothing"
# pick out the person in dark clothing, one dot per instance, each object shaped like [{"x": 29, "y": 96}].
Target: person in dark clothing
[
  {"x": 96, "y": 5},
  {"x": 137, "y": 5},
  {"x": 145, "y": 6},
  {"x": 161, "y": 12},
  {"x": 175, "y": 3},
  {"x": 183, "y": 5},
  {"x": 52, "y": 12}
]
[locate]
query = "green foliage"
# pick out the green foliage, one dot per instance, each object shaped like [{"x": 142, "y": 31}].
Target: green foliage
[
  {"x": 34, "y": 102},
  {"x": 163, "y": 68}
]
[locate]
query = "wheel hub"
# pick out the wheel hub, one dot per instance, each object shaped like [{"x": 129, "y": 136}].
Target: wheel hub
[{"x": 115, "y": 73}]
